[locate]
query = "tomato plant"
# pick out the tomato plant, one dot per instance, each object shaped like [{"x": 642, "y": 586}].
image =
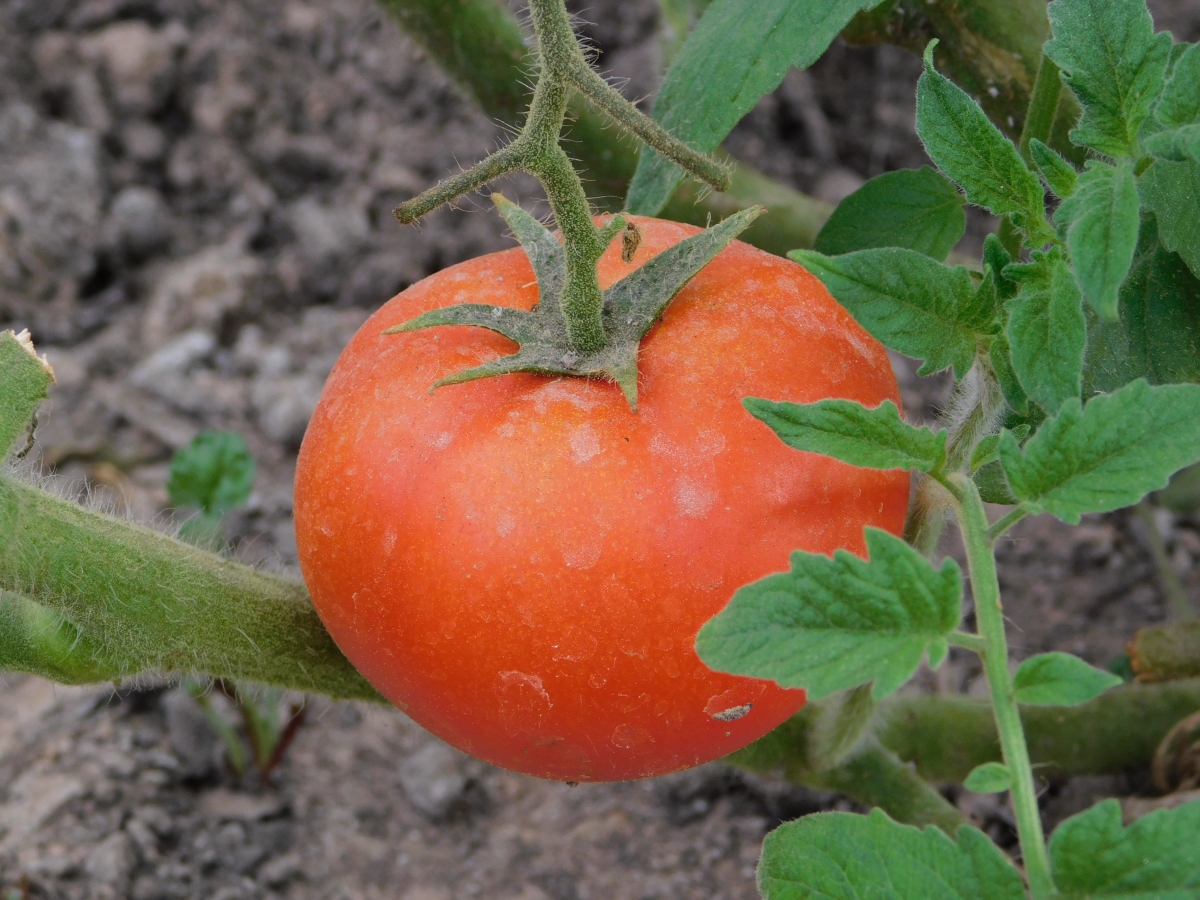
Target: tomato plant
[
  {"x": 522, "y": 564},
  {"x": 530, "y": 539}
]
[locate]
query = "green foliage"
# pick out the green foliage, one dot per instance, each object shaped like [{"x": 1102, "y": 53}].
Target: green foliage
[
  {"x": 1178, "y": 144},
  {"x": 987, "y": 451},
  {"x": 1114, "y": 63},
  {"x": 1047, "y": 330},
  {"x": 1000, "y": 355},
  {"x": 1171, "y": 190},
  {"x": 1108, "y": 454},
  {"x": 989, "y": 778},
  {"x": 919, "y": 209},
  {"x": 965, "y": 144},
  {"x": 1060, "y": 679},
  {"x": 841, "y": 856},
  {"x": 1158, "y": 335},
  {"x": 1095, "y": 857},
  {"x": 873, "y": 438},
  {"x": 214, "y": 473},
  {"x": 909, "y": 302},
  {"x": 734, "y": 55},
  {"x": 1101, "y": 224},
  {"x": 832, "y": 624},
  {"x": 1060, "y": 175},
  {"x": 1180, "y": 101}
]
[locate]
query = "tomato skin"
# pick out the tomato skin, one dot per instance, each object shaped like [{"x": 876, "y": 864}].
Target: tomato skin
[{"x": 521, "y": 564}]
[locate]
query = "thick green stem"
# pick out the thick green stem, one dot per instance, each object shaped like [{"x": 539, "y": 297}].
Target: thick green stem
[
  {"x": 1043, "y": 106},
  {"x": 948, "y": 736},
  {"x": 989, "y": 615},
  {"x": 874, "y": 776},
  {"x": 147, "y": 603}
]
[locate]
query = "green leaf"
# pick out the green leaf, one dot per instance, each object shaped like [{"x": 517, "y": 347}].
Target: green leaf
[
  {"x": 1060, "y": 175},
  {"x": 736, "y": 53},
  {"x": 1177, "y": 145},
  {"x": 919, "y": 209},
  {"x": 214, "y": 473},
  {"x": 872, "y": 438},
  {"x": 1060, "y": 679},
  {"x": 1171, "y": 190},
  {"x": 962, "y": 140},
  {"x": 1108, "y": 454},
  {"x": 832, "y": 624},
  {"x": 842, "y": 856},
  {"x": 1114, "y": 62},
  {"x": 908, "y": 302},
  {"x": 993, "y": 485},
  {"x": 996, "y": 258},
  {"x": 1047, "y": 330},
  {"x": 989, "y": 778},
  {"x": 1010, "y": 385},
  {"x": 1094, "y": 857},
  {"x": 1101, "y": 222},
  {"x": 1180, "y": 100},
  {"x": 1158, "y": 334},
  {"x": 988, "y": 449}
]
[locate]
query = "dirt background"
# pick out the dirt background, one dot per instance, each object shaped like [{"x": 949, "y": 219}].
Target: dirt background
[{"x": 194, "y": 218}]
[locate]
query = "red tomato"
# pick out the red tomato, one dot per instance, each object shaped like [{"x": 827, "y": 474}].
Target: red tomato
[{"x": 521, "y": 563}]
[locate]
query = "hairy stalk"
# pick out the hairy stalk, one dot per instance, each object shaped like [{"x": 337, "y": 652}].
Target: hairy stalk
[
  {"x": 1043, "y": 106},
  {"x": 27, "y": 380},
  {"x": 563, "y": 67},
  {"x": 989, "y": 615},
  {"x": 149, "y": 603}
]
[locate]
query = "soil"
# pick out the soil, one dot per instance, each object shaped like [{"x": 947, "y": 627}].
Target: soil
[{"x": 194, "y": 218}]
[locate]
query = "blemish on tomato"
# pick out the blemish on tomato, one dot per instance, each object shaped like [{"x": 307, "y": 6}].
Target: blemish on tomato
[{"x": 733, "y": 713}]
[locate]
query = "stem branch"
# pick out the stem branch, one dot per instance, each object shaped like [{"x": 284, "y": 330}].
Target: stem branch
[{"x": 985, "y": 585}]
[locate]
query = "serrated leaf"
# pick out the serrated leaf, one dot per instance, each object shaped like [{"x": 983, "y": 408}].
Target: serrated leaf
[
  {"x": 1180, "y": 100},
  {"x": 1093, "y": 856},
  {"x": 964, "y": 143},
  {"x": 214, "y": 473},
  {"x": 832, "y": 624},
  {"x": 1114, "y": 63},
  {"x": 1108, "y": 454},
  {"x": 872, "y": 438},
  {"x": 989, "y": 778},
  {"x": 1060, "y": 679},
  {"x": 1047, "y": 330},
  {"x": 737, "y": 53},
  {"x": 1171, "y": 190},
  {"x": 1177, "y": 144},
  {"x": 908, "y": 302},
  {"x": 1101, "y": 222},
  {"x": 1060, "y": 175},
  {"x": 842, "y": 856},
  {"x": 1158, "y": 334},
  {"x": 918, "y": 209}
]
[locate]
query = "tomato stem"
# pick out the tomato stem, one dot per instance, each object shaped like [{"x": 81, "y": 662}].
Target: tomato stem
[
  {"x": 563, "y": 68},
  {"x": 989, "y": 614}
]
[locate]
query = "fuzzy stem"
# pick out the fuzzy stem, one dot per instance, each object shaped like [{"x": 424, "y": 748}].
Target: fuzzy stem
[
  {"x": 874, "y": 776},
  {"x": 985, "y": 586},
  {"x": 603, "y": 96},
  {"x": 147, "y": 602},
  {"x": 502, "y": 162},
  {"x": 1043, "y": 106}
]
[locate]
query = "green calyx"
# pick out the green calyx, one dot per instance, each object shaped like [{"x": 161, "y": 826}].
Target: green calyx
[
  {"x": 630, "y": 307},
  {"x": 577, "y": 328}
]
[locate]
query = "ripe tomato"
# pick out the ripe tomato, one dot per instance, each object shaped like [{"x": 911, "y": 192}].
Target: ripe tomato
[{"x": 522, "y": 564}]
